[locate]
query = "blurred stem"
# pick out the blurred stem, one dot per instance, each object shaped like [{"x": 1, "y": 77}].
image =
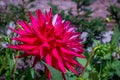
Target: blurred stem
[
  {"x": 88, "y": 61},
  {"x": 100, "y": 72},
  {"x": 15, "y": 67}
]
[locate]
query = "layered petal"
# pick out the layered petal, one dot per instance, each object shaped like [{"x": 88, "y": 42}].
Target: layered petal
[{"x": 51, "y": 39}]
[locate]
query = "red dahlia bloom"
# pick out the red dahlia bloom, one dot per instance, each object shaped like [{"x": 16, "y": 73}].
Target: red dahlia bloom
[{"x": 50, "y": 39}]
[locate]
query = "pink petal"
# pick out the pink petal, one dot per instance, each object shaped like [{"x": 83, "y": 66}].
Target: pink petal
[
  {"x": 14, "y": 47},
  {"x": 58, "y": 20},
  {"x": 72, "y": 61},
  {"x": 70, "y": 68},
  {"x": 41, "y": 17},
  {"x": 48, "y": 73},
  {"x": 67, "y": 24},
  {"x": 36, "y": 27},
  {"x": 46, "y": 45},
  {"x": 56, "y": 54},
  {"x": 69, "y": 52},
  {"x": 33, "y": 21},
  {"x": 25, "y": 26},
  {"x": 26, "y": 40},
  {"x": 35, "y": 61},
  {"x": 72, "y": 29},
  {"x": 41, "y": 52},
  {"x": 14, "y": 30},
  {"x": 48, "y": 59},
  {"x": 61, "y": 66},
  {"x": 54, "y": 20},
  {"x": 20, "y": 32},
  {"x": 49, "y": 16},
  {"x": 23, "y": 47}
]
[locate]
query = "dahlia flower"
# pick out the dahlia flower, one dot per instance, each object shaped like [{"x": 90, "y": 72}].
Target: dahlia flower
[{"x": 50, "y": 39}]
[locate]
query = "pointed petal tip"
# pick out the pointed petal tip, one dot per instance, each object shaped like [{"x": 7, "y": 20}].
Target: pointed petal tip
[
  {"x": 17, "y": 56},
  {"x": 82, "y": 56},
  {"x": 9, "y": 46},
  {"x": 35, "y": 61},
  {"x": 17, "y": 21}
]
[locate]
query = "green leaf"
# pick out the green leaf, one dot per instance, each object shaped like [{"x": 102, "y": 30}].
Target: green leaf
[
  {"x": 115, "y": 65},
  {"x": 11, "y": 63},
  {"x": 70, "y": 76},
  {"x": 86, "y": 74},
  {"x": 56, "y": 75},
  {"x": 116, "y": 35},
  {"x": 93, "y": 76},
  {"x": 107, "y": 56},
  {"x": 86, "y": 55},
  {"x": 28, "y": 75},
  {"x": 32, "y": 72},
  {"x": 83, "y": 62}
]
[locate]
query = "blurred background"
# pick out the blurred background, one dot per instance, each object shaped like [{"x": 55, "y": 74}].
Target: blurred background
[
  {"x": 97, "y": 20},
  {"x": 98, "y": 6}
]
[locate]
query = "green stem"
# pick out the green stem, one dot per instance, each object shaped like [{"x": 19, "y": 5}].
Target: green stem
[
  {"x": 88, "y": 61},
  {"x": 15, "y": 67},
  {"x": 100, "y": 72}
]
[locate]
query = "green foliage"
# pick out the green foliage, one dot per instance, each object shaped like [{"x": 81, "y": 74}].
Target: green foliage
[
  {"x": 83, "y": 62},
  {"x": 93, "y": 75},
  {"x": 115, "y": 13},
  {"x": 103, "y": 65},
  {"x": 116, "y": 35},
  {"x": 70, "y": 76},
  {"x": 13, "y": 13},
  {"x": 104, "y": 62},
  {"x": 56, "y": 75},
  {"x": 84, "y": 2},
  {"x": 6, "y": 63}
]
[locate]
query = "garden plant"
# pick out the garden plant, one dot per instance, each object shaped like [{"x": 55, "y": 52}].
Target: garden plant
[{"x": 53, "y": 45}]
